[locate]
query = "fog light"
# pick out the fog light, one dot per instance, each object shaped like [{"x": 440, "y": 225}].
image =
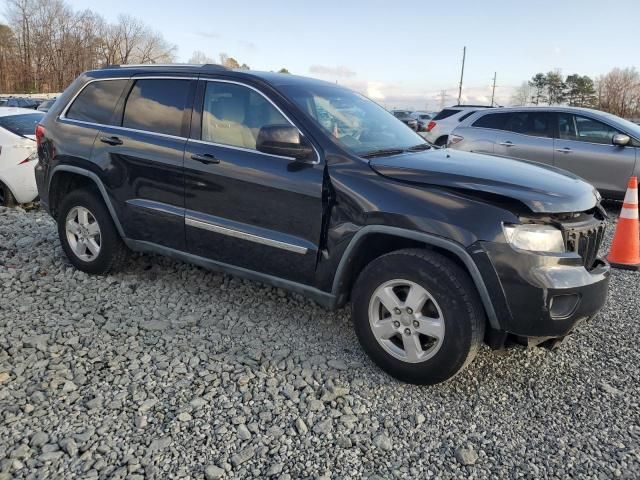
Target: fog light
[{"x": 563, "y": 306}]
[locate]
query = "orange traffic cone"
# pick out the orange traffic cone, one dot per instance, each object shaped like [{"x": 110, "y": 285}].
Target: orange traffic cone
[{"x": 625, "y": 249}]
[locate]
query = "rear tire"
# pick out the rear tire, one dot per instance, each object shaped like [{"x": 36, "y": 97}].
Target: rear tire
[
  {"x": 88, "y": 235},
  {"x": 435, "y": 339},
  {"x": 6, "y": 197}
]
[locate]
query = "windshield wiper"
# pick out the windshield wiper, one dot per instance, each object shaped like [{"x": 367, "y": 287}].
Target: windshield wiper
[
  {"x": 383, "y": 152},
  {"x": 419, "y": 147}
]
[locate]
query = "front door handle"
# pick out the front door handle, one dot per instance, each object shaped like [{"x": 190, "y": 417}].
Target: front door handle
[
  {"x": 111, "y": 140},
  {"x": 563, "y": 150},
  {"x": 206, "y": 158},
  {"x": 508, "y": 143}
]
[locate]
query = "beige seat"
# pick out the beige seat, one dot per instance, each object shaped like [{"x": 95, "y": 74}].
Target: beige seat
[{"x": 223, "y": 123}]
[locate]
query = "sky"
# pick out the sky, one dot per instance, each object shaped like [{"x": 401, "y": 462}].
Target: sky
[{"x": 402, "y": 54}]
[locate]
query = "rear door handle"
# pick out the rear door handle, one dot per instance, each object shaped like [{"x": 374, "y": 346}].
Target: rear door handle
[
  {"x": 206, "y": 158},
  {"x": 563, "y": 150},
  {"x": 111, "y": 140},
  {"x": 508, "y": 143}
]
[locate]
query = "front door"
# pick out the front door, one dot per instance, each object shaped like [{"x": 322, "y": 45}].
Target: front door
[
  {"x": 246, "y": 208},
  {"x": 584, "y": 146},
  {"x": 527, "y": 136}
]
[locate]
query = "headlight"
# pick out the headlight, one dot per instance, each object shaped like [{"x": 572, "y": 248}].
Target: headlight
[{"x": 536, "y": 238}]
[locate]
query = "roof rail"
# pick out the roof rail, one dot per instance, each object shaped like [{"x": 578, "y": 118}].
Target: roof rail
[
  {"x": 472, "y": 106},
  {"x": 206, "y": 66}
]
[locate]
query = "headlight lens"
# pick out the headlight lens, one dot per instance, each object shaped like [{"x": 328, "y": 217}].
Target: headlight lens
[{"x": 534, "y": 237}]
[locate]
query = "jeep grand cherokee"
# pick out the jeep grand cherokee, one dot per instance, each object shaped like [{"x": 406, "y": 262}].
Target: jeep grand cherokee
[{"x": 312, "y": 187}]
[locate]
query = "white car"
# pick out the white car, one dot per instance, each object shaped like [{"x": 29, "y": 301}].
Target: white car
[
  {"x": 440, "y": 126},
  {"x": 18, "y": 155}
]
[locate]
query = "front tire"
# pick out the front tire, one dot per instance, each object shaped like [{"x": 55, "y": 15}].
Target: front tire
[
  {"x": 87, "y": 233},
  {"x": 418, "y": 316}
]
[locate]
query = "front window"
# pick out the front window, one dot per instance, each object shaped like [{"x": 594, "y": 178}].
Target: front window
[
  {"x": 584, "y": 129},
  {"x": 355, "y": 122},
  {"x": 234, "y": 115}
]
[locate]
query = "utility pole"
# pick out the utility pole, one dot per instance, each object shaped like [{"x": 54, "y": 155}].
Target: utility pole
[
  {"x": 464, "y": 55},
  {"x": 493, "y": 90}
]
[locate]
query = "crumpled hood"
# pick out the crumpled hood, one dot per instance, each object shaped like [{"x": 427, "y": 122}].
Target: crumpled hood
[{"x": 540, "y": 187}]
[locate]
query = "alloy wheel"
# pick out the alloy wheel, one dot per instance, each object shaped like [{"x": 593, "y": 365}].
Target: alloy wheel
[
  {"x": 406, "y": 320},
  {"x": 83, "y": 233}
]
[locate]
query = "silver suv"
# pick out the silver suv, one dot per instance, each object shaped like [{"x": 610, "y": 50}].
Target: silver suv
[{"x": 599, "y": 147}]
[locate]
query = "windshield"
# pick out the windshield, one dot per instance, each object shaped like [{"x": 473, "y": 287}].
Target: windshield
[
  {"x": 24, "y": 124},
  {"x": 355, "y": 122}
]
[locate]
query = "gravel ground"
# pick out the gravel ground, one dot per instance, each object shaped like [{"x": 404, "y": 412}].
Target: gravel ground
[{"x": 170, "y": 371}]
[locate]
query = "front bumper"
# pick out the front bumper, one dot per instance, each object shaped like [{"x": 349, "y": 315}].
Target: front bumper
[{"x": 541, "y": 295}]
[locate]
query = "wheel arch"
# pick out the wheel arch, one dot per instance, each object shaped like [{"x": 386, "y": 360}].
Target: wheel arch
[
  {"x": 353, "y": 261},
  {"x": 66, "y": 178}
]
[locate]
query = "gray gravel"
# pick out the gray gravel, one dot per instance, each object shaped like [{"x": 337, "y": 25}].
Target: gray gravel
[{"x": 169, "y": 371}]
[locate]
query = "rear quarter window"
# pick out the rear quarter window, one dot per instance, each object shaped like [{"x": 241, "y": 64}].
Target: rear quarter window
[
  {"x": 446, "y": 113},
  {"x": 96, "y": 101}
]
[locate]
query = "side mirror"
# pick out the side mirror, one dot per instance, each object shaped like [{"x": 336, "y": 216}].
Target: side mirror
[
  {"x": 621, "y": 139},
  {"x": 283, "y": 140}
]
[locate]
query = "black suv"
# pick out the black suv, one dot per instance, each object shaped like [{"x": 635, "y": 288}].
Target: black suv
[{"x": 312, "y": 187}]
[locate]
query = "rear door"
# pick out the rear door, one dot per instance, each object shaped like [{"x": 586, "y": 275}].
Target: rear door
[
  {"x": 528, "y": 135},
  {"x": 142, "y": 157},
  {"x": 480, "y": 136},
  {"x": 246, "y": 208},
  {"x": 584, "y": 146}
]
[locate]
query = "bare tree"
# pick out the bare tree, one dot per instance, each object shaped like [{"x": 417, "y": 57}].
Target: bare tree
[
  {"x": 200, "y": 58},
  {"x": 619, "y": 92},
  {"x": 46, "y": 44},
  {"x": 521, "y": 95}
]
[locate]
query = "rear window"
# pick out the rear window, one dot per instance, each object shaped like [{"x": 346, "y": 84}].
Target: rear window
[
  {"x": 157, "y": 105},
  {"x": 96, "y": 102},
  {"x": 492, "y": 120},
  {"x": 24, "y": 124},
  {"x": 446, "y": 113}
]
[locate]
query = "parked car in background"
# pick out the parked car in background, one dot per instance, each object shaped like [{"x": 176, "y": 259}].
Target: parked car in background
[
  {"x": 46, "y": 105},
  {"x": 440, "y": 126},
  {"x": 423, "y": 119},
  {"x": 406, "y": 118},
  {"x": 246, "y": 172},
  {"x": 19, "y": 102},
  {"x": 601, "y": 148},
  {"x": 18, "y": 155}
]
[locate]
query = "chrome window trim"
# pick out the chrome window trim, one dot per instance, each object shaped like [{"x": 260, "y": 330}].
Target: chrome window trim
[
  {"x": 242, "y": 84},
  {"x": 212, "y": 227},
  {"x": 126, "y": 129},
  {"x": 63, "y": 115},
  {"x": 243, "y": 149}
]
